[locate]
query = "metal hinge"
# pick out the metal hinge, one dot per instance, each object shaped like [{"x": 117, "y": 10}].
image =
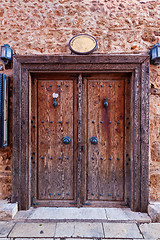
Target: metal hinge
[
  {"x": 126, "y": 204},
  {"x": 33, "y": 201},
  {"x": 83, "y": 202},
  {"x": 75, "y": 203}
]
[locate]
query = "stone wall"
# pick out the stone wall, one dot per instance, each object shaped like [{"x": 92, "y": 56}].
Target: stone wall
[{"x": 120, "y": 26}]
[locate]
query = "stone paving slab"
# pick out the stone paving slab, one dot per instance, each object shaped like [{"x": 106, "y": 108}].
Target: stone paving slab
[
  {"x": 137, "y": 216},
  {"x": 32, "y": 239},
  {"x": 68, "y": 213},
  {"x": 5, "y": 228},
  {"x": 121, "y": 230},
  {"x": 116, "y": 214},
  {"x": 126, "y": 214},
  {"x": 150, "y": 230},
  {"x": 24, "y": 214},
  {"x": 77, "y": 229},
  {"x": 33, "y": 230}
]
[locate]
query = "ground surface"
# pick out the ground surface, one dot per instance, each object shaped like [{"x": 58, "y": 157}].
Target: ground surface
[{"x": 76, "y": 224}]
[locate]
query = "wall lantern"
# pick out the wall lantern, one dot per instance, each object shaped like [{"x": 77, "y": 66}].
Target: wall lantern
[
  {"x": 4, "y": 99},
  {"x": 6, "y": 54},
  {"x": 155, "y": 54}
]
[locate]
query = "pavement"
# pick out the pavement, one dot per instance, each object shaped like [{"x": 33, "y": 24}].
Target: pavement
[{"x": 79, "y": 224}]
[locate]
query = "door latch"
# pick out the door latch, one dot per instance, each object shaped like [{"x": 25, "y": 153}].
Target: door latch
[{"x": 55, "y": 96}]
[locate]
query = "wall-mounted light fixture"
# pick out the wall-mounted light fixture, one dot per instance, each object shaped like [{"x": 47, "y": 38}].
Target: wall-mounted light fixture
[
  {"x": 6, "y": 54},
  {"x": 155, "y": 54}
]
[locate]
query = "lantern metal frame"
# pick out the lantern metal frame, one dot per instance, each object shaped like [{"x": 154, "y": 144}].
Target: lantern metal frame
[
  {"x": 155, "y": 54},
  {"x": 4, "y": 111}
]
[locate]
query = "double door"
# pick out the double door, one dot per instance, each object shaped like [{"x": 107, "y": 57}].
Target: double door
[{"x": 80, "y": 139}]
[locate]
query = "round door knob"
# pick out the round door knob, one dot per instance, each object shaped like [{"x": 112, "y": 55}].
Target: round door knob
[
  {"x": 94, "y": 140},
  {"x": 66, "y": 140}
]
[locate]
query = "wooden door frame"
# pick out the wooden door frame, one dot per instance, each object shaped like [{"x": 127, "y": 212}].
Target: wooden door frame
[{"x": 24, "y": 66}]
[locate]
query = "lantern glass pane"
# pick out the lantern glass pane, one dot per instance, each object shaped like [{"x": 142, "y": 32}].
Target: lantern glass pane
[
  {"x": 158, "y": 51},
  {"x": 3, "y": 51},
  {"x": 9, "y": 53},
  {"x": 154, "y": 53}
]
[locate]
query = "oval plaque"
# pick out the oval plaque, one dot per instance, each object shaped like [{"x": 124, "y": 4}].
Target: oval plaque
[{"x": 83, "y": 44}]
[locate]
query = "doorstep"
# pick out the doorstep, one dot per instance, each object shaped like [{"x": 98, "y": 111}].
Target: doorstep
[{"x": 53, "y": 214}]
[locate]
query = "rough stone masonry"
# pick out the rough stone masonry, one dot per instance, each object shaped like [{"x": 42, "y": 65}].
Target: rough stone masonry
[{"x": 120, "y": 26}]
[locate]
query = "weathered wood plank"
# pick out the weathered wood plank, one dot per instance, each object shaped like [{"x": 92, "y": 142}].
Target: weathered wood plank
[
  {"x": 135, "y": 171},
  {"x": 80, "y": 68},
  {"x": 17, "y": 144},
  {"x": 24, "y": 183},
  {"x": 144, "y": 135},
  {"x": 33, "y": 133},
  {"x": 127, "y": 151},
  {"x": 79, "y": 164},
  {"x": 94, "y": 58},
  {"x": 118, "y": 143}
]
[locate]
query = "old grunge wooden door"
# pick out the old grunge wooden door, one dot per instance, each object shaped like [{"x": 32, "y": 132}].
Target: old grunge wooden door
[{"x": 79, "y": 138}]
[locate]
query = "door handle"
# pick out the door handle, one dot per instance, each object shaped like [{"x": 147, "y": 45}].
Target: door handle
[
  {"x": 105, "y": 104},
  {"x": 94, "y": 140},
  {"x": 66, "y": 140}
]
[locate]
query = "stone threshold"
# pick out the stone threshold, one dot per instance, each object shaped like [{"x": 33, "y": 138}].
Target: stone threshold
[{"x": 53, "y": 214}]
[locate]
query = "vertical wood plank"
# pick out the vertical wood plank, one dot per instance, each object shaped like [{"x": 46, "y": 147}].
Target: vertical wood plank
[
  {"x": 93, "y": 131},
  {"x": 79, "y": 140},
  {"x": 84, "y": 147},
  {"x": 33, "y": 132},
  {"x": 135, "y": 163},
  {"x": 118, "y": 144},
  {"x": 16, "y": 168},
  {"x": 144, "y": 135},
  {"x": 127, "y": 151},
  {"x": 24, "y": 196}
]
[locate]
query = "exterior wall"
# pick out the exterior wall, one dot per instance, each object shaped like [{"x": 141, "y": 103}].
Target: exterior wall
[{"x": 46, "y": 26}]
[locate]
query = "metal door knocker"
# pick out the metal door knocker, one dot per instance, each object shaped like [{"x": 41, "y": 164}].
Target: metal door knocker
[
  {"x": 94, "y": 140},
  {"x": 55, "y": 96},
  {"x": 66, "y": 140},
  {"x": 105, "y": 103}
]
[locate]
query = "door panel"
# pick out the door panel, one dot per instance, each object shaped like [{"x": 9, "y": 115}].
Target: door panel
[
  {"x": 55, "y": 159},
  {"x": 105, "y": 162},
  {"x": 80, "y": 173}
]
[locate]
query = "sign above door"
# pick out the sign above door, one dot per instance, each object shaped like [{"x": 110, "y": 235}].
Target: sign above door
[{"x": 83, "y": 44}]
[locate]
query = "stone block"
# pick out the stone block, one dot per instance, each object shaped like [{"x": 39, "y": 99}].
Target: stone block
[
  {"x": 8, "y": 210},
  {"x": 154, "y": 211},
  {"x": 121, "y": 230},
  {"x": 33, "y": 230},
  {"x": 79, "y": 230},
  {"x": 68, "y": 213},
  {"x": 5, "y": 228},
  {"x": 150, "y": 230}
]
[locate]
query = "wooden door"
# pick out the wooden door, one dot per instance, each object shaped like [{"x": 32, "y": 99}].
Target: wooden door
[
  {"x": 82, "y": 172},
  {"x": 54, "y": 139},
  {"x": 106, "y": 168}
]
